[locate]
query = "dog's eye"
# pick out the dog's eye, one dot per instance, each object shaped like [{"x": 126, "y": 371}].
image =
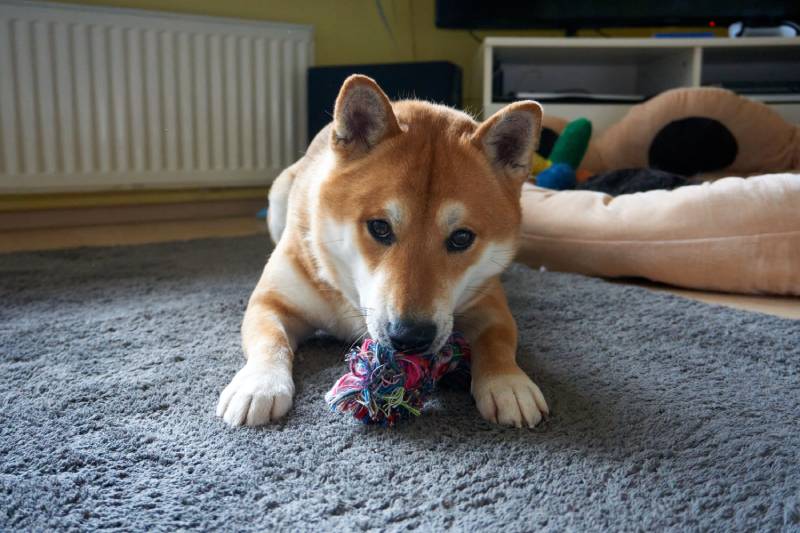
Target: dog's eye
[
  {"x": 460, "y": 240},
  {"x": 381, "y": 231}
]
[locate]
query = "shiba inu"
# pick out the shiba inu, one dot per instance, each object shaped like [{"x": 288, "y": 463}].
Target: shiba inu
[{"x": 396, "y": 223}]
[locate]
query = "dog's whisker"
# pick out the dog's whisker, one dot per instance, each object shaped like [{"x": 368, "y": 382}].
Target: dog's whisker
[
  {"x": 356, "y": 339},
  {"x": 354, "y": 316},
  {"x": 477, "y": 291}
]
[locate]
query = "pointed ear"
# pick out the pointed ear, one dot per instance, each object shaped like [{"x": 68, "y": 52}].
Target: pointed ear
[
  {"x": 509, "y": 138},
  {"x": 362, "y": 118}
]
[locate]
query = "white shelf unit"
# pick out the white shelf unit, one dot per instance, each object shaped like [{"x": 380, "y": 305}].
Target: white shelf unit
[{"x": 631, "y": 66}]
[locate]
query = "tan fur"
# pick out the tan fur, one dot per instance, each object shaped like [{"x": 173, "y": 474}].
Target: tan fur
[{"x": 429, "y": 170}]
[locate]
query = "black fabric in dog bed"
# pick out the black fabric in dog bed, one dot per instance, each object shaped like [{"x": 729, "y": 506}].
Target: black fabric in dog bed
[{"x": 630, "y": 180}]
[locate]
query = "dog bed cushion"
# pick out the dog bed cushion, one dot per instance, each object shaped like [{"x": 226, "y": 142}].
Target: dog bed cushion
[{"x": 734, "y": 234}]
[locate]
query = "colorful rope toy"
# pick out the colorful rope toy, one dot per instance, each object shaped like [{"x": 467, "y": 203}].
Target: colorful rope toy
[{"x": 384, "y": 386}]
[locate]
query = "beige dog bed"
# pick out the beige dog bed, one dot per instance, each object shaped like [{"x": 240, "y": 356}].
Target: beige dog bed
[{"x": 734, "y": 235}]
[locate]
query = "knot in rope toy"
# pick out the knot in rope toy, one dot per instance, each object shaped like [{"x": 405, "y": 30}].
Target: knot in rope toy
[{"x": 384, "y": 386}]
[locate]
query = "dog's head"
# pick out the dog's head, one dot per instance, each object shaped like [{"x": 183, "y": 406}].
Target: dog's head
[{"x": 419, "y": 208}]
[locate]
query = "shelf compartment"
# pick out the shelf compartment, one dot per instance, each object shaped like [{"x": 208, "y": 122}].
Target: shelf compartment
[{"x": 596, "y": 70}]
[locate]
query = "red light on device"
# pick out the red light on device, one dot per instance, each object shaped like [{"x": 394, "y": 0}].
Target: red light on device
[{"x": 711, "y": 23}]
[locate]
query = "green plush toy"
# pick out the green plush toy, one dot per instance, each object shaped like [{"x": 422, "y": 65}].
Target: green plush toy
[{"x": 566, "y": 156}]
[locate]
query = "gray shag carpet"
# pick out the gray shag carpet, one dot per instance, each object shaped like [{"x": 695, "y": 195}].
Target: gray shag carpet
[{"x": 667, "y": 413}]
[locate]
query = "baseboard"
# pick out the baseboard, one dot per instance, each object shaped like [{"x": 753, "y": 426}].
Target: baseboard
[{"x": 119, "y": 214}]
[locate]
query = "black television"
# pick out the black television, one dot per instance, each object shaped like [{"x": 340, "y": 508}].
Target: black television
[{"x": 571, "y": 15}]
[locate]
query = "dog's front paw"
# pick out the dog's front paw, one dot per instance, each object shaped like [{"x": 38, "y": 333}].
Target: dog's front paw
[
  {"x": 256, "y": 395},
  {"x": 509, "y": 399}
]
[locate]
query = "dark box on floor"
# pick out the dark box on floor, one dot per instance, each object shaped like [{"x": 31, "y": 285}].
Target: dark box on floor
[{"x": 436, "y": 81}]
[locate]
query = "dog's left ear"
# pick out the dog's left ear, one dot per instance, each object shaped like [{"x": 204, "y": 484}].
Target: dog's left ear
[
  {"x": 362, "y": 117},
  {"x": 509, "y": 138}
]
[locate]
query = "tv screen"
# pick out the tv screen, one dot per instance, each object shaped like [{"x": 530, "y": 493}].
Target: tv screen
[{"x": 575, "y": 14}]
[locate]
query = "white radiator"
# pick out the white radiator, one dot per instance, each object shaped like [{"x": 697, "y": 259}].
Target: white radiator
[{"x": 95, "y": 98}]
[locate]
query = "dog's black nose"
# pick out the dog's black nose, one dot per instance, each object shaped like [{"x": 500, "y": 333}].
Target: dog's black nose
[{"x": 411, "y": 335}]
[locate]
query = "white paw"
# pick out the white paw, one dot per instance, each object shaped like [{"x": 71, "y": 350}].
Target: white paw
[
  {"x": 509, "y": 400},
  {"x": 257, "y": 394}
]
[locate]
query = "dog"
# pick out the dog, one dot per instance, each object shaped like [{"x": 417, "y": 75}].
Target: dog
[{"x": 396, "y": 223}]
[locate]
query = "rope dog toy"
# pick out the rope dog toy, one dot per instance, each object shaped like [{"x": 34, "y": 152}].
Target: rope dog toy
[{"x": 384, "y": 386}]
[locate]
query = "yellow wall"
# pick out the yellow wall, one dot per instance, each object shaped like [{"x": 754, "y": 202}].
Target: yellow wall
[{"x": 351, "y": 31}]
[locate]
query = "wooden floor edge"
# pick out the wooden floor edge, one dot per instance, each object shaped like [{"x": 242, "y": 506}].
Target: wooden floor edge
[{"x": 38, "y": 239}]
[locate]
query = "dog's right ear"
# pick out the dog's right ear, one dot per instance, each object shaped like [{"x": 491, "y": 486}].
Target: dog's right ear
[{"x": 362, "y": 118}]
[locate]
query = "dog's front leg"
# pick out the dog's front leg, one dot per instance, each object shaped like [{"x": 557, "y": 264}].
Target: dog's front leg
[
  {"x": 262, "y": 390},
  {"x": 503, "y": 393}
]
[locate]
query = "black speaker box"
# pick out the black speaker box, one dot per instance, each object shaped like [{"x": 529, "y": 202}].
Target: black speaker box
[{"x": 436, "y": 81}]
